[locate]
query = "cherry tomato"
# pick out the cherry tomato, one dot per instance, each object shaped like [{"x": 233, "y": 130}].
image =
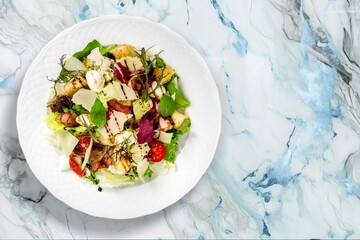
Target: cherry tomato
[
  {"x": 157, "y": 151},
  {"x": 76, "y": 167},
  {"x": 83, "y": 144}
]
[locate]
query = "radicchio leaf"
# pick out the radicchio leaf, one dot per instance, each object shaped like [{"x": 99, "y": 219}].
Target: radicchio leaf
[
  {"x": 122, "y": 73},
  {"x": 146, "y": 130}
]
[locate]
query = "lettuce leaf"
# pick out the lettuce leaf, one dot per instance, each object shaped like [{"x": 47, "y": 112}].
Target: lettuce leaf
[
  {"x": 50, "y": 120},
  {"x": 116, "y": 178},
  {"x": 180, "y": 99},
  {"x": 172, "y": 147}
]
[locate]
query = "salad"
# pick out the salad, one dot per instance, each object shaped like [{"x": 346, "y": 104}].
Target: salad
[{"x": 117, "y": 113}]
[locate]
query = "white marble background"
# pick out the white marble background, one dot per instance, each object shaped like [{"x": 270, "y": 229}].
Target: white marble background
[{"x": 288, "y": 159}]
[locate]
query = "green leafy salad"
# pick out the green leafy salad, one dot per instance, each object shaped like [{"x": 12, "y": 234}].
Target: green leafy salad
[{"x": 117, "y": 113}]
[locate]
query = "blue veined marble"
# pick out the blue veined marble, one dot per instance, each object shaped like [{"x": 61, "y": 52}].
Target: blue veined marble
[
  {"x": 288, "y": 161},
  {"x": 241, "y": 43}
]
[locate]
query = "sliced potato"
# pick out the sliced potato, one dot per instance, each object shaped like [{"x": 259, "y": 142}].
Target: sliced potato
[
  {"x": 178, "y": 119},
  {"x": 123, "y": 165},
  {"x": 123, "y": 50},
  {"x": 163, "y": 74},
  {"x": 74, "y": 85}
]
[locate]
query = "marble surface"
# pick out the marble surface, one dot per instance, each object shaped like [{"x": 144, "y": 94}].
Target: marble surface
[{"x": 288, "y": 159}]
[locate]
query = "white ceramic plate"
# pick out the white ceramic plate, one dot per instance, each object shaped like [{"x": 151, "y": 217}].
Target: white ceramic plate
[{"x": 133, "y": 201}]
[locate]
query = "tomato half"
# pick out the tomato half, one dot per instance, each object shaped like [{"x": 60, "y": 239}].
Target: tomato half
[
  {"x": 76, "y": 167},
  {"x": 82, "y": 145},
  {"x": 157, "y": 151}
]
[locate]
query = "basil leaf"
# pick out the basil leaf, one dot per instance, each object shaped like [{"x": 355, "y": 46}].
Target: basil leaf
[
  {"x": 98, "y": 113},
  {"x": 166, "y": 106},
  {"x": 86, "y": 51},
  {"x": 90, "y": 46},
  {"x": 159, "y": 62}
]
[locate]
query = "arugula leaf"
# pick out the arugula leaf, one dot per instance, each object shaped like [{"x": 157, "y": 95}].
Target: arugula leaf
[
  {"x": 90, "y": 46},
  {"x": 166, "y": 106},
  {"x": 98, "y": 113},
  {"x": 180, "y": 100},
  {"x": 159, "y": 62}
]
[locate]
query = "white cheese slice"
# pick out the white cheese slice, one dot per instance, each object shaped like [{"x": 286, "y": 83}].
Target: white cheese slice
[
  {"x": 59, "y": 88},
  {"x": 127, "y": 136},
  {"x": 164, "y": 124},
  {"x": 74, "y": 64},
  {"x": 160, "y": 168},
  {"x": 141, "y": 169},
  {"x": 84, "y": 120},
  {"x": 132, "y": 63},
  {"x": 116, "y": 121},
  {"x": 97, "y": 60},
  {"x": 95, "y": 56},
  {"x": 107, "y": 74},
  {"x": 95, "y": 80},
  {"x": 84, "y": 97},
  {"x": 113, "y": 127},
  {"x": 87, "y": 154},
  {"x": 105, "y": 63},
  {"x": 139, "y": 151},
  {"x": 67, "y": 142},
  {"x": 165, "y": 137},
  {"x": 159, "y": 90},
  {"x": 119, "y": 91}
]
